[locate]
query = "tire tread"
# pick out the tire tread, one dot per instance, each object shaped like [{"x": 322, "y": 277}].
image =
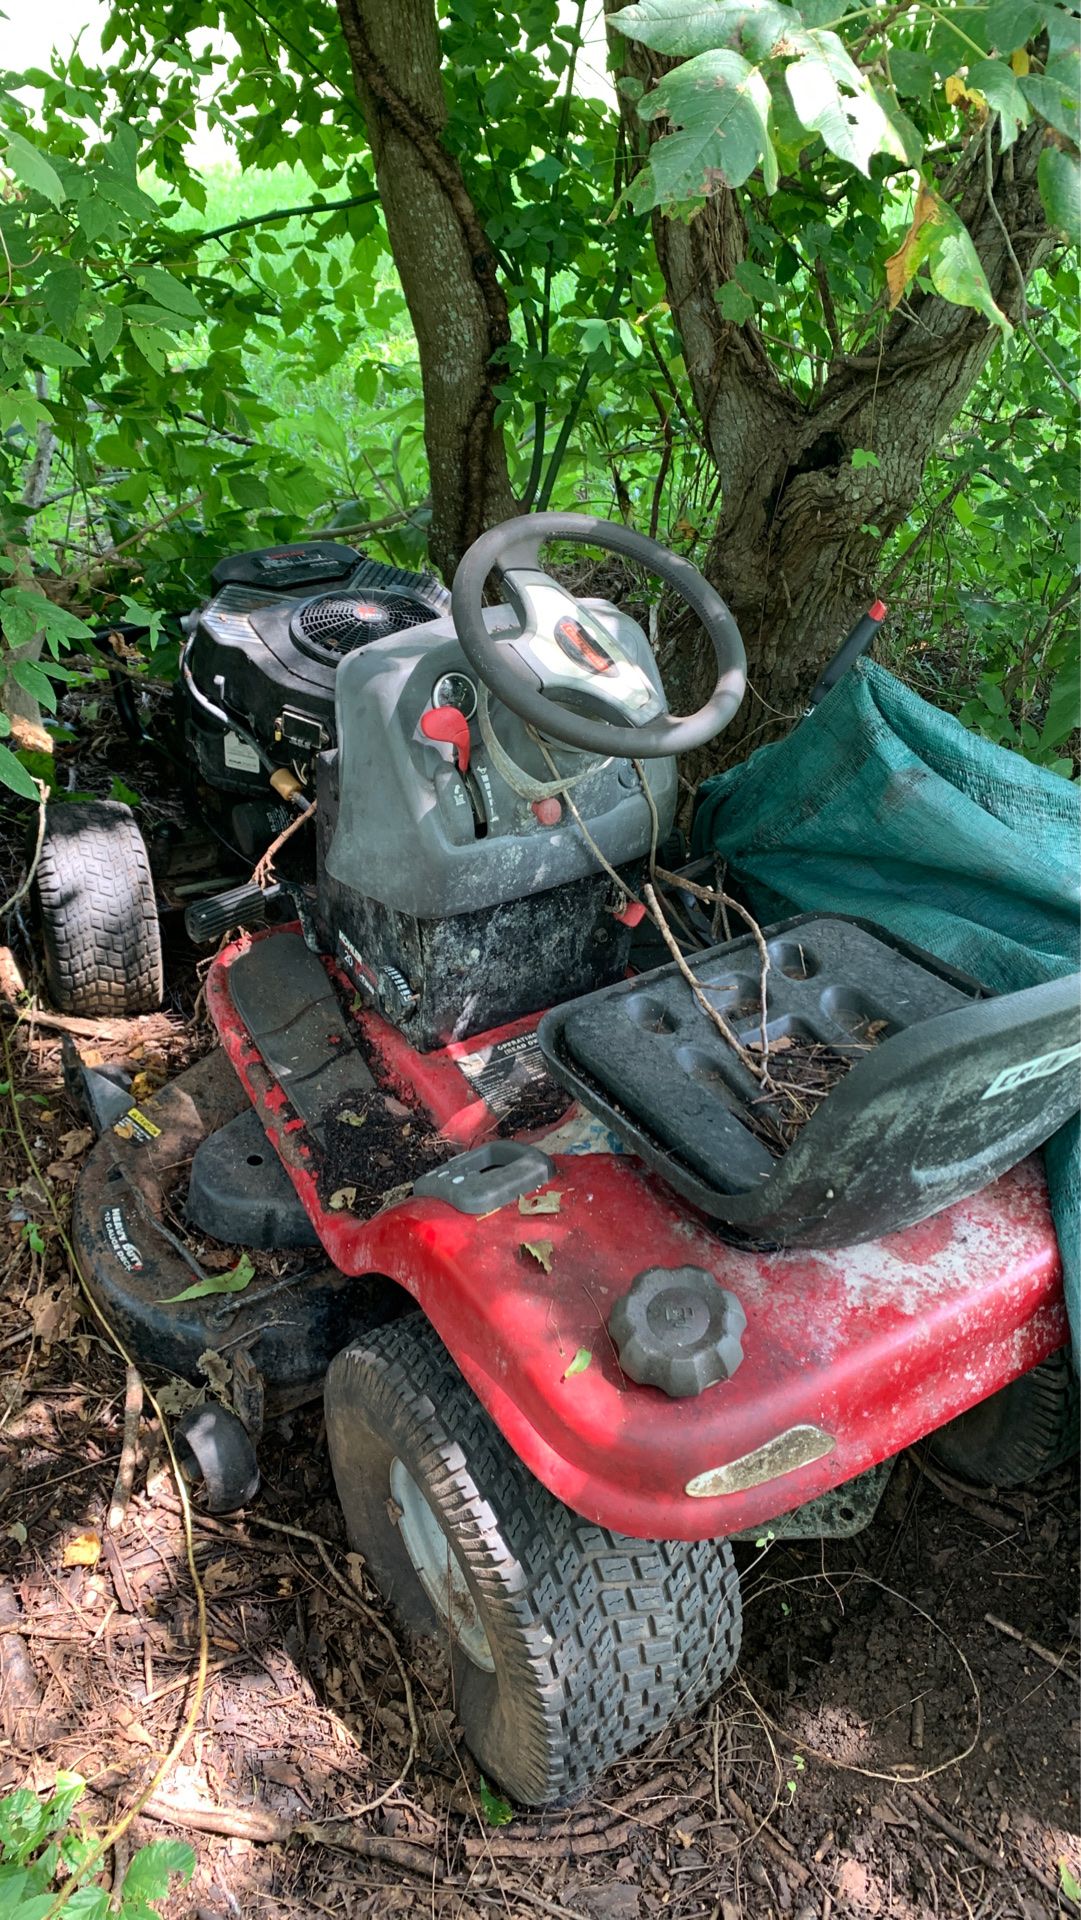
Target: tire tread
[{"x": 99, "y": 917}]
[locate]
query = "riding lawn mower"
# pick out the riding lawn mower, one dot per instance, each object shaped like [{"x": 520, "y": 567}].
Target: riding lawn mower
[{"x": 515, "y": 1190}]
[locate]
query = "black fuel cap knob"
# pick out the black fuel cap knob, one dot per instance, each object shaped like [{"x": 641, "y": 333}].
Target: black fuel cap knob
[{"x": 677, "y": 1329}]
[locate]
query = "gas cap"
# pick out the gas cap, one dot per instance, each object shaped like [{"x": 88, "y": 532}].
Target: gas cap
[{"x": 676, "y": 1329}]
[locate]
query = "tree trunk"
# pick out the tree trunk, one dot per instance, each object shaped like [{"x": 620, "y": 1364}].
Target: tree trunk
[
  {"x": 446, "y": 265},
  {"x": 800, "y": 533}
]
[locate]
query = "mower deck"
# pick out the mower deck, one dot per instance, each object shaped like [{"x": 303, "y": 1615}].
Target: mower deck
[{"x": 849, "y": 1355}]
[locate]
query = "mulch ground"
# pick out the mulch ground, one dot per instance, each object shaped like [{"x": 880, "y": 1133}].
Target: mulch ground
[{"x": 900, "y": 1740}]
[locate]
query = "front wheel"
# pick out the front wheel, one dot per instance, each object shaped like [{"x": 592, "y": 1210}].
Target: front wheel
[{"x": 570, "y": 1644}]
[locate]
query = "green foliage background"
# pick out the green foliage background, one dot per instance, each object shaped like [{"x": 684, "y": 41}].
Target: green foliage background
[{"x": 207, "y": 377}]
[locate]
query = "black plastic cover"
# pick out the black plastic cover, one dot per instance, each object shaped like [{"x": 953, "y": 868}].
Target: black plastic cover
[
  {"x": 488, "y": 1176},
  {"x": 951, "y": 1090},
  {"x": 241, "y": 1194},
  {"x": 302, "y": 564}
]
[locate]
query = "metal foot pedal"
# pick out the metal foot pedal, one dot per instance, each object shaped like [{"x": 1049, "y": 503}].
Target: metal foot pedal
[{"x": 284, "y": 997}]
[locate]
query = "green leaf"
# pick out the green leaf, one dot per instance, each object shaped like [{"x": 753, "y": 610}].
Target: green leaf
[
  {"x": 1055, "y": 100},
  {"x": 631, "y": 343},
  {"x": 998, "y": 84},
  {"x": 863, "y": 457},
  {"x": 580, "y": 1362},
  {"x": 61, "y": 291},
  {"x": 108, "y": 331},
  {"x": 957, "y": 271},
  {"x": 53, "y": 353},
  {"x": 14, "y": 775},
  {"x": 913, "y": 74},
  {"x": 689, "y": 27},
  {"x": 30, "y": 166},
  {"x": 1009, "y": 23},
  {"x": 495, "y": 1811},
  {"x": 87, "y": 1903},
  {"x": 34, "y": 681},
  {"x": 595, "y": 335},
  {"x": 834, "y": 99},
  {"x": 151, "y": 1869},
  {"x": 1059, "y": 177},
  {"x": 170, "y": 292},
  {"x": 721, "y": 103},
  {"x": 234, "y": 1281},
  {"x": 736, "y": 305},
  {"x": 1069, "y": 1883},
  {"x": 963, "y": 512}
]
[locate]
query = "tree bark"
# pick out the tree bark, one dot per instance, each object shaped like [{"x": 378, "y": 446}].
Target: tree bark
[
  {"x": 445, "y": 262},
  {"x": 800, "y": 531}
]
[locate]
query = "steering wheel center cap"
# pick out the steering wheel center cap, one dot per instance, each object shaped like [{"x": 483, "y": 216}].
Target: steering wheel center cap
[{"x": 677, "y": 1329}]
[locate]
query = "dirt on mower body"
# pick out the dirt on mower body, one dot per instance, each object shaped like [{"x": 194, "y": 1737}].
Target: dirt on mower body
[{"x": 580, "y": 1324}]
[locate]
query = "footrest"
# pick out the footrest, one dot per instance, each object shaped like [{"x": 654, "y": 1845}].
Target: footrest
[
  {"x": 937, "y": 1088},
  {"x": 282, "y": 993}
]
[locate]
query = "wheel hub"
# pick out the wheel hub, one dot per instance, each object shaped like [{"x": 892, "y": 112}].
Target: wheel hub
[{"x": 438, "y": 1568}]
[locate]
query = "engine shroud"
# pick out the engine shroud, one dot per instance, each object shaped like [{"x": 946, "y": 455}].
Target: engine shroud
[{"x": 259, "y": 669}]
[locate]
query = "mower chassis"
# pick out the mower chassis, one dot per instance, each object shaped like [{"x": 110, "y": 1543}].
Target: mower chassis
[{"x": 849, "y": 1355}]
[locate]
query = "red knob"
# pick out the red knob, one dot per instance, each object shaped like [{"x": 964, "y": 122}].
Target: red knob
[
  {"x": 549, "y": 812},
  {"x": 448, "y": 723}
]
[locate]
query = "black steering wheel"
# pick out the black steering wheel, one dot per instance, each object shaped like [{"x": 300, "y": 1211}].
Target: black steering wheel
[{"x": 512, "y": 549}]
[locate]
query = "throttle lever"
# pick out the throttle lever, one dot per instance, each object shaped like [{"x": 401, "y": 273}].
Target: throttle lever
[{"x": 450, "y": 724}]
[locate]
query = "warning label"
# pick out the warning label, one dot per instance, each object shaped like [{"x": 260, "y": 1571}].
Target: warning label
[
  {"x": 134, "y": 1125},
  {"x": 354, "y": 964},
  {"x": 238, "y": 755},
  {"x": 116, "y": 1234},
  {"x": 501, "y": 1074}
]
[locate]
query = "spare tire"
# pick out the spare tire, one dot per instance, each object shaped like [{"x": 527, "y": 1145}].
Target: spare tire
[{"x": 99, "y": 917}]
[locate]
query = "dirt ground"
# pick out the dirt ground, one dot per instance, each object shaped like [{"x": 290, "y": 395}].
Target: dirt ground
[{"x": 900, "y": 1740}]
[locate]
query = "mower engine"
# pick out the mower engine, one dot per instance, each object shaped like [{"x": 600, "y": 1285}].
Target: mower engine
[{"x": 259, "y": 667}]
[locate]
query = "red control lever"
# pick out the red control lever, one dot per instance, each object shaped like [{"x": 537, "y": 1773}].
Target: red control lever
[{"x": 448, "y": 723}]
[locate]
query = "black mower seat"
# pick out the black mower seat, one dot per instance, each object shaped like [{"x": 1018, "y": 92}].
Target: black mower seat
[{"x": 950, "y": 1086}]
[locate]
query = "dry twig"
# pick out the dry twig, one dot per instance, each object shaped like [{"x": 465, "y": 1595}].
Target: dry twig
[{"x": 125, "y": 1473}]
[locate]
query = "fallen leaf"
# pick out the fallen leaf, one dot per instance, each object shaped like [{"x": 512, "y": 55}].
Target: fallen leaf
[
  {"x": 580, "y": 1362},
  {"x": 232, "y": 1282},
  {"x": 221, "y": 1575},
  {"x": 83, "y": 1551},
  {"x": 540, "y": 1202},
  {"x": 75, "y": 1142},
  {"x": 177, "y": 1396},
  {"x": 145, "y": 1084},
  {"x": 16, "y": 1532},
  {"x": 541, "y": 1251},
  {"x": 349, "y": 1118},
  {"x": 344, "y": 1197},
  {"x": 216, "y": 1369},
  {"x": 51, "y": 1313},
  {"x": 130, "y": 1726}
]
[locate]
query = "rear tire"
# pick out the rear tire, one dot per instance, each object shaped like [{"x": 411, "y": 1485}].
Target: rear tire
[
  {"x": 1017, "y": 1434},
  {"x": 99, "y": 918},
  {"x": 570, "y": 1644}
]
